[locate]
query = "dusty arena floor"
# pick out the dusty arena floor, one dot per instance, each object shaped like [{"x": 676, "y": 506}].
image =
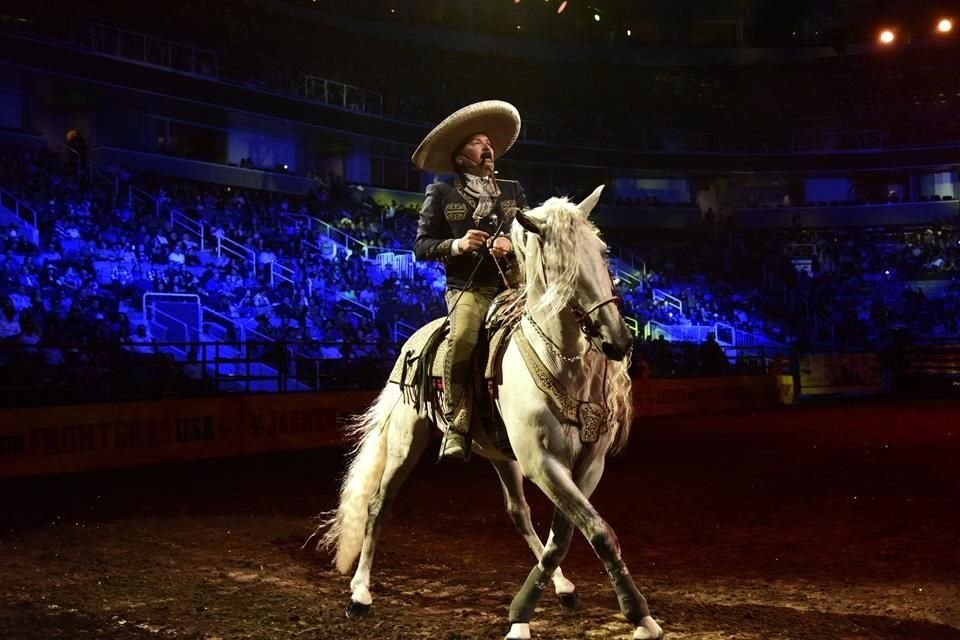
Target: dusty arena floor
[{"x": 804, "y": 523}]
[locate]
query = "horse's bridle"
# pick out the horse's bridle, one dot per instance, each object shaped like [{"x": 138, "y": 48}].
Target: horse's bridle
[{"x": 588, "y": 326}]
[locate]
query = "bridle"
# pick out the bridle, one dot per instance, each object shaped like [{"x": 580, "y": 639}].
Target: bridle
[{"x": 588, "y": 326}]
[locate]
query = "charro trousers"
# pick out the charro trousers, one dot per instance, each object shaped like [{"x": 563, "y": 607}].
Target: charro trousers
[{"x": 466, "y": 321}]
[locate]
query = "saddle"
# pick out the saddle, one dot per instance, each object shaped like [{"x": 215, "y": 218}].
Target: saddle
[{"x": 419, "y": 373}]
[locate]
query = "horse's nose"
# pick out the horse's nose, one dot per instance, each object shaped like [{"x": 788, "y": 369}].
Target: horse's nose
[{"x": 613, "y": 352}]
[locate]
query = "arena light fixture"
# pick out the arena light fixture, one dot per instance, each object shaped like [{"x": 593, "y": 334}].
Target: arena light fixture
[
  {"x": 945, "y": 25},
  {"x": 887, "y": 37},
  {"x": 563, "y": 5},
  {"x": 596, "y": 17}
]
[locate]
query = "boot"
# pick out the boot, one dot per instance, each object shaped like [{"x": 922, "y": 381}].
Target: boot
[
  {"x": 456, "y": 441},
  {"x": 456, "y": 446}
]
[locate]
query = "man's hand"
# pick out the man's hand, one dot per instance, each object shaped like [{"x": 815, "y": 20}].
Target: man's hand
[
  {"x": 472, "y": 240},
  {"x": 499, "y": 246}
]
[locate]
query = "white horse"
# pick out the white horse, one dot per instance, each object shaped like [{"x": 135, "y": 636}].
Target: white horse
[{"x": 572, "y": 322}]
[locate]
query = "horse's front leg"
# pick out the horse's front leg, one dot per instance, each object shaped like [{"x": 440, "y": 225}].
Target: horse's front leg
[
  {"x": 558, "y": 484},
  {"x": 511, "y": 481}
]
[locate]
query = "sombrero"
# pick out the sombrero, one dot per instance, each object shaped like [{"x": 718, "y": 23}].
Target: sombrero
[{"x": 499, "y": 120}]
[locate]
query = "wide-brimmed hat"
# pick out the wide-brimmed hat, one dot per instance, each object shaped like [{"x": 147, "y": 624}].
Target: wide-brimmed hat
[{"x": 499, "y": 120}]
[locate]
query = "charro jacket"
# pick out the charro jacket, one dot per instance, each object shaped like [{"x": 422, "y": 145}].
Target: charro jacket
[{"x": 447, "y": 214}]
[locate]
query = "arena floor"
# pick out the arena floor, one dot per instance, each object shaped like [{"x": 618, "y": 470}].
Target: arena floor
[{"x": 799, "y": 523}]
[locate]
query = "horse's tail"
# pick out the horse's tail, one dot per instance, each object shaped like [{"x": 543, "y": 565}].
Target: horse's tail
[{"x": 343, "y": 529}]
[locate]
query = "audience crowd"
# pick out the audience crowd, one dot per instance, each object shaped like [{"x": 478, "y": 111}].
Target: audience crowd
[{"x": 283, "y": 274}]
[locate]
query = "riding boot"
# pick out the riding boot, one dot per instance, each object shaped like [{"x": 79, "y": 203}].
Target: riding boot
[{"x": 456, "y": 441}]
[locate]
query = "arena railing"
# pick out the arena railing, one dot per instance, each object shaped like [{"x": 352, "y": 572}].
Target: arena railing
[
  {"x": 109, "y": 180},
  {"x": 151, "y": 51},
  {"x": 237, "y": 250},
  {"x": 194, "y": 226},
  {"x": 338, "y": 236},
  {"x": 280, "y": 272},
  {"x": 357, "y": 305},
  {"x": 659, "y": 295},
  {"x": 150, "y": 301},
  {"x": 22, "y": 211},
  {"x": 402, "y": 330},
  {"x": 342, "y": 95},
  {"x": 222, "y": 321},
  {"x": 137, "y": 196}
]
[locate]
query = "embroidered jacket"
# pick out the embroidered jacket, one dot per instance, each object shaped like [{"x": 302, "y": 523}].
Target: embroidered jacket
[{"x": 447, "y": 214}]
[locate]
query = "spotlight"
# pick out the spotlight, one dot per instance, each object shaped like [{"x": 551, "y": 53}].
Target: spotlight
[
  {"x": 596, "y": 17},
  {"x": 887, "y": 36},
  {"x": 629, "y": 33},
  {"x": 563, "y": 5},
  {"x": 945, "y": 25}
]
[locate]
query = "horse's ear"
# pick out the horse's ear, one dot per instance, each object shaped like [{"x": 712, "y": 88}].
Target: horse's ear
[
  {"x": 590, "y": 201},
  {"x": 526, "y": 222}
]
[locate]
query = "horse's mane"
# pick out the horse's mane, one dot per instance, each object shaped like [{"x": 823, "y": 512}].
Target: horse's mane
[{"x": 562, "y": 225}]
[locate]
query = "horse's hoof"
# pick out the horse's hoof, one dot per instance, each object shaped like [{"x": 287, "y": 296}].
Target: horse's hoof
[
  {"x": 357, "y": 610},
  {"x": 569, "y": 601},
  {"x": 644, "y": 634}
]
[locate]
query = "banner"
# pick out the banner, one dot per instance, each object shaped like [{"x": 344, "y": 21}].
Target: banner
[
  {"x": 668, "y": 396},
  {"x": 99, "y": 436},
  {"x": 82, "y": 437},
  {"x": 841, "y": 373}
]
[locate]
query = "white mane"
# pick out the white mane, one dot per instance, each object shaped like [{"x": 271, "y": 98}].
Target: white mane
[{"x": 563, "y": 226}]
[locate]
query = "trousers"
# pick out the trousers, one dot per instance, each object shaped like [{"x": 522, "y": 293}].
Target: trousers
[{"x": 466, "y": 321}]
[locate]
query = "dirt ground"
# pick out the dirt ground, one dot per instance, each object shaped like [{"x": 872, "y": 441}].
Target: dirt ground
[{"x": 838, "y": 522}]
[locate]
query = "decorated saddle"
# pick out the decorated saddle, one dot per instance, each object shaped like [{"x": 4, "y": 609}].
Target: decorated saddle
[{"x": 419, "y": 373}]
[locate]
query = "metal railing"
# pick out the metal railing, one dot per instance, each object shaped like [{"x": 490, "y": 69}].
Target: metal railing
[
  {"x": 111, "y": 181},
  {"x": 402, "y": 262},
  {"x": 227, "y": 321},
  {"x": 193, "y": 226},
  {"x": 342, "y": 95},
  {"x": 659, "y": 295},
  {"x": 152, "y": 51},
  {"x": 280, "y": 272},
  {"x": 402, "y": 330},
  {"x": 337, "y": 236},
  {"x": 358, "y": 305},
  {"x": 150, "y": 317},
  {"x": 137, "y": 196},
  {"x": 727, "y": 335},
  {"x": 150, "y": 300},
  {"x": 23, "y": 211},
  {"x": 629, "y": 258},
  {"x": 237, "y": 250}
]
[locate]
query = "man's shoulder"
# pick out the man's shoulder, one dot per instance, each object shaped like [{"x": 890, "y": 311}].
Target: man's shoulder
[
  {"x": 440, "y": 188},
  {"x": 512, "y": 186}
]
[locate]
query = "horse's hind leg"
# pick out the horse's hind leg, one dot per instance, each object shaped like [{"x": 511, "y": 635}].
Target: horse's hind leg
[
  {"x": 407, "y": 436},
  {"x": 557, "y": 483},
  {"x": 511, "y": 481}
]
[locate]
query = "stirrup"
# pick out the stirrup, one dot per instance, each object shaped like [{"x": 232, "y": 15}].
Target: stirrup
[{"x": 455, "y": 446}]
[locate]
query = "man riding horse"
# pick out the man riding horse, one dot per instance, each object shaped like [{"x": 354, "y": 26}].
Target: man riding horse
[{"x": 465, "y": 223}]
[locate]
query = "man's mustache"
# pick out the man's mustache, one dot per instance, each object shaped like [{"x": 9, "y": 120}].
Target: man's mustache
[{"x": 486, "y": 155}]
